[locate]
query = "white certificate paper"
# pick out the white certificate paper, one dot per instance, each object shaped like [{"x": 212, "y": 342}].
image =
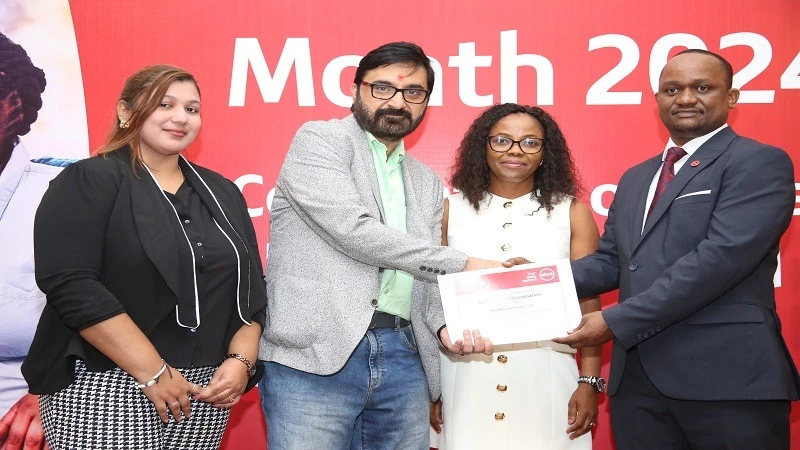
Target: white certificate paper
[{"x": 531, "y": 302}]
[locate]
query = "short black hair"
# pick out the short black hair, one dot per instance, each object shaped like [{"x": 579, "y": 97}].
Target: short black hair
[
  {"x": 393, "y": 53},
  {"x": 726, "y": 66},
  {"x": 22, "y": 75}
]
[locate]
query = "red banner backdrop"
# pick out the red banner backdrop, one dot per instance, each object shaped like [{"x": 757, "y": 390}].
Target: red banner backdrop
[{"x": 265, "y": 67}]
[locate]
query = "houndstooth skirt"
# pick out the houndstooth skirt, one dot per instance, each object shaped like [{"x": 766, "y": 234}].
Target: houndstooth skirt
[{"x": 105, "y": 410}]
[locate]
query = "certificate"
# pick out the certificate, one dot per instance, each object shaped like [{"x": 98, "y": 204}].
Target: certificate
[{"x": 530, "y": 302}]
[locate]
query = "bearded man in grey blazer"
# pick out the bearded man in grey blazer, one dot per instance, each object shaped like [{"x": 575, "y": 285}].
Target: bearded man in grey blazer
[{"x": 350, "y": 340}]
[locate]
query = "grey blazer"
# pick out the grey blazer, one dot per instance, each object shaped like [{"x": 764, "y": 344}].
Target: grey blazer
[{"x": 329, "y": 245}]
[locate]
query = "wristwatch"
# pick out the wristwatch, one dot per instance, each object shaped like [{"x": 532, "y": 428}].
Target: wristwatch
[{"x": 598, "y": 383}]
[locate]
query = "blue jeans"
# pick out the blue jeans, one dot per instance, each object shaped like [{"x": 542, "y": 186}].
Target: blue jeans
[{"x": 378, "y": 400}]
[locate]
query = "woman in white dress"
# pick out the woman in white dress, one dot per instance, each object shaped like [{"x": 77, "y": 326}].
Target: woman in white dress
[{"x": 517, "y": 184}]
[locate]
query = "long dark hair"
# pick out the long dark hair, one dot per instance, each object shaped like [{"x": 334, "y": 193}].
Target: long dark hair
[{"x": 555, "y": 179}]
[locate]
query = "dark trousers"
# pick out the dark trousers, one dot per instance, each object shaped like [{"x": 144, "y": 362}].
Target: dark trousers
[{"x": 643, "y": 418}]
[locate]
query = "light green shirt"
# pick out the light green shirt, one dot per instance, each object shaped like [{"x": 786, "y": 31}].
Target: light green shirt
[{"x": 395, "y": 295}]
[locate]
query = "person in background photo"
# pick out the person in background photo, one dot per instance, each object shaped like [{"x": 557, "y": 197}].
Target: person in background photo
[
  {"x": 22, "y": 184},
  {"x": 155, "y": 299},
  {"x": 518, "y": 188}
]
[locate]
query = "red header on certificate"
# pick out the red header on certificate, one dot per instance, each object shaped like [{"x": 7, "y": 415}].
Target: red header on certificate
[{"x": 509, "y": 279}]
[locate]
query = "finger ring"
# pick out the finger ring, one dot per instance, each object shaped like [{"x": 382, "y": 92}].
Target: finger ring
[
  {"x": 230, "y": 399},
  {"x": 175, "y": 403}
]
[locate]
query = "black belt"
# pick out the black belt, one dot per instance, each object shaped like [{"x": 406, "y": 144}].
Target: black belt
[{"x": 385, "y": 320}]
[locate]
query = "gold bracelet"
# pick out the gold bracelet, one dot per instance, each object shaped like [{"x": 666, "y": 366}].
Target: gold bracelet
[{"x": 250, "y": 371}]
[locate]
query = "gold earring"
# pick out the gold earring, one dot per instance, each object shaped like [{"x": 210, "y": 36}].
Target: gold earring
[{"x": 123, "y": 123}]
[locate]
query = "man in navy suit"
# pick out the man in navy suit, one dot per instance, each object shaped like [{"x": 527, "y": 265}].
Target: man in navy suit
[{"x": 698, "y": 357}]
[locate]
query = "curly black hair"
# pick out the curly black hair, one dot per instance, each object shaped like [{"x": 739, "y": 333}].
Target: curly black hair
[
  {"x": 554, "y": 179},
  {"x": 18, "y": 72}
]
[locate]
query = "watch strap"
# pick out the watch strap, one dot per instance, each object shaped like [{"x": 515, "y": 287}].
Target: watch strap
[{"x": 598, "y": 383}]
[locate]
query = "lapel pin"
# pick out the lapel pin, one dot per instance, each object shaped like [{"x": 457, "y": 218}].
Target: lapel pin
[{"x": 695, "y": 163}]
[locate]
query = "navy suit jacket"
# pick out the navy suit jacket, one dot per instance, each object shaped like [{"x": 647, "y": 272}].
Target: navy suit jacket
[{"x": 696, "y": 285}]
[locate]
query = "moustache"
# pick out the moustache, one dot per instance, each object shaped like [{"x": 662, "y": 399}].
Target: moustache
[{"x": 392, "y": 112}]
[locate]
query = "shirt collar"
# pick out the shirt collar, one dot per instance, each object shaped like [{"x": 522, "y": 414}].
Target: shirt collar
[
  {"x": 12, "y": 175},
  {"x": 692, "y": 146},
  {"x": 378, "y": 147}
]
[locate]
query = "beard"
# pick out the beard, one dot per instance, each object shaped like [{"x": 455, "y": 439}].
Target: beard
[{"x": 386, "y": 123}]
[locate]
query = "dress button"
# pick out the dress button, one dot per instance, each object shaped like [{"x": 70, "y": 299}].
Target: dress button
[
  {"x": 499, "y": 416},
  {"x": 187, "y": 221},
  {"x": 374, "y": 302},
  {"x": 193, "y": 330},
  {"x": 507, "y": 225},
  {"x": 507, "y": 204},
  {"x": 502, "y": 359},
  {"x": 442, "y": 272},
  {"x": 502, "y": 387},
  {"x": 633, "y": 266},
  {"x": 422, "y": 268},
  {"x": 505, "y": 247},
  {"x": 436, "y": 271},
  {"x": 199, "y": 244}
]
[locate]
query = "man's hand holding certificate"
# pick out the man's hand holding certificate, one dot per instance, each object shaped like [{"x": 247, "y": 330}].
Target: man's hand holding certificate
[{"x": 530, "y": 302}]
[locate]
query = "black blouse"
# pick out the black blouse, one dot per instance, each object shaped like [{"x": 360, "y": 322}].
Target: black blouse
[{"x": 215, "y": 265}]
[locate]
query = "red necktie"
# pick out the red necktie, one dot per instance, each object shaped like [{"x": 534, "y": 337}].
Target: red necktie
[{"x": 674, "y": 154}]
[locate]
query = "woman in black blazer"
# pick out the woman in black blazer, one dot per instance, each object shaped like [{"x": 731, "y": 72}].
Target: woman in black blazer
[{"x": 155, "y": 299}]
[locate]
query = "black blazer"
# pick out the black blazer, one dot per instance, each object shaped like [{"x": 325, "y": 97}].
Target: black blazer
[
  {"x": 696, "y": 296},
  {"x": 104, "y": 245}
]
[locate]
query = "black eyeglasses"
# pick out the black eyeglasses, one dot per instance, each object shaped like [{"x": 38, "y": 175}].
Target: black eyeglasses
[
  {"x": 502, "y": 144},
  {"x": 386, "y": 92}
]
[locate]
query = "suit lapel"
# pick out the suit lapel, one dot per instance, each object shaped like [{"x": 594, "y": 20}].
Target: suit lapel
[
  {"x": 705, "y": 155},
  {"x": 414, "y": 223},
  {"x": 152, "y": 221},
  {"x": 643, "y": 186},
  {"x": 364, "y": 165}
]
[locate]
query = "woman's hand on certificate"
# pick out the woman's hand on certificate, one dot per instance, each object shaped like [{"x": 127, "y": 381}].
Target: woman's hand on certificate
[{"x": 470, "y": 342}]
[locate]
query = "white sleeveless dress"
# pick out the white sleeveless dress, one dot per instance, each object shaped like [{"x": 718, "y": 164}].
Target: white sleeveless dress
[{"x": 518, "y": 397}]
